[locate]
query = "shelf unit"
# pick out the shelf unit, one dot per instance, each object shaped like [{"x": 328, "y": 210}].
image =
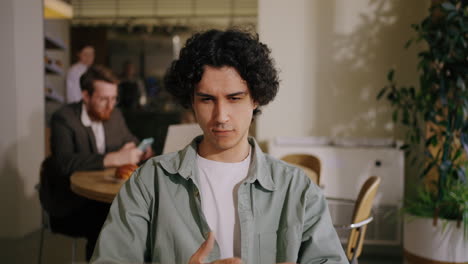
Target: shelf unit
[
  {"x": 53, "y": 43},
  {"x": 53, "y": 66}
]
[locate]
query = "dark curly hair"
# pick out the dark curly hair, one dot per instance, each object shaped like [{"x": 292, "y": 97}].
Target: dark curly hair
[{"x": 238, "y": 49}]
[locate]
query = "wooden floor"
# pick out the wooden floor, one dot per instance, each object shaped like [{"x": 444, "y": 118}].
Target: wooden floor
[
  {"x": 380, "y": 260},
  {"x": 377, "y": 254}
]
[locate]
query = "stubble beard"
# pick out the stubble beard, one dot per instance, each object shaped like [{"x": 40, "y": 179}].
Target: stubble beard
[{"x": 99, "y": 115}]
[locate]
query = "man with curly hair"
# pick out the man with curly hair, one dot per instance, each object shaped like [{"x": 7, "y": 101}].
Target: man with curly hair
[{"x": 220, "y": 199}]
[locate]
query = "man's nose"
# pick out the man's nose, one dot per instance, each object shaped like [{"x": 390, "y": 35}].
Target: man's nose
[
  {"x": 222, "y": 112},
  {"x": 110, "y": 103}
]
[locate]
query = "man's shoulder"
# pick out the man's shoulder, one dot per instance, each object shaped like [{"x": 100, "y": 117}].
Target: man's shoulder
[
  {"x": 286, "y": 174},
  {"x": 168, "y": 157},
  {"x": 77, "y": 67},
  {"x": 68, "y": 111},
  {"x": 170, "y": 162},
  {"x": 158, "y": 167}
]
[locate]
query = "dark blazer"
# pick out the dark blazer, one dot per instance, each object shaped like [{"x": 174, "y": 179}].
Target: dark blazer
[{"x": 73, "y": 148}]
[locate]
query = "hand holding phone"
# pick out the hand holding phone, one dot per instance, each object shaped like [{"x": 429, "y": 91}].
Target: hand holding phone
[{"x": 145, "y": 143}]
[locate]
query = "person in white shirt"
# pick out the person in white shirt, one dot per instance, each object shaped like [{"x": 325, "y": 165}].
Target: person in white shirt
[
  {"x": 85, "y": 59},
  {"x": 220, "y": 200}
]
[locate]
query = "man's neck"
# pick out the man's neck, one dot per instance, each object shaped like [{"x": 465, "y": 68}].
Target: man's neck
[{"x": 236, "y": 154}]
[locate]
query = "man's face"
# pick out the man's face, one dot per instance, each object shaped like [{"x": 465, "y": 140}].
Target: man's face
[
  {"x": 86, "y": 55},
  {"x": 223, "y": 108},
  {"x": 102, "y": 102}
]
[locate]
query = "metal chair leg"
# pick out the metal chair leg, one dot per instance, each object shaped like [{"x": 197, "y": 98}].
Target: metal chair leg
[
  {"x": 73, "y": 251},
  {"x": 41, "y": 246}
]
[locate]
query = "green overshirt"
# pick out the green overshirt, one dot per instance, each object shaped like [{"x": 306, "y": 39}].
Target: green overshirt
[{"x": 157, "y": 215}]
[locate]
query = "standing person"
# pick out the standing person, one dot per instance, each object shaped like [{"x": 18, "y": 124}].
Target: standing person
[
  {"x": 131, "y": 88},
  {"x": 88, "y": 135},
  {"x": 220, "y": 199},
  {"x": 85, "y": 59}
]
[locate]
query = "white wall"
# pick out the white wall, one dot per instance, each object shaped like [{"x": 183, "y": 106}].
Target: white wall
[
  {"x": 22, "y": 115},
  {"x": 334, "y": 56}
]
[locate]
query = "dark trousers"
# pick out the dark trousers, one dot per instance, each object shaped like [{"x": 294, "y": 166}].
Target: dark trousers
[{"x": 87, "y": 223}]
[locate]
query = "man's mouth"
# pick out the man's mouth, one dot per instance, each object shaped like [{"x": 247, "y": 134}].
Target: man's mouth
[{"x": 222, "y": 131}]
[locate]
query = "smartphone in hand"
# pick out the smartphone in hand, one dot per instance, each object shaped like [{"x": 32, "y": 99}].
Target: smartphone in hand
[{"x": 145, "y": 143}]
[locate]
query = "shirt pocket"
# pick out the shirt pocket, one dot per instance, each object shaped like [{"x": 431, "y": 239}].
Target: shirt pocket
[{"x": 267, "y": 248}]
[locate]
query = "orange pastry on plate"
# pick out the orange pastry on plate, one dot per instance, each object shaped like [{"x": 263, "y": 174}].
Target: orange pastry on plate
[{"x": 125, "y": 171}]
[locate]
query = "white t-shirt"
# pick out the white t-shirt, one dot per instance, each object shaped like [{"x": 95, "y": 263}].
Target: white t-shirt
[
  {"x": 219, "y": 182},
  {"x": 73, "y": 82}
]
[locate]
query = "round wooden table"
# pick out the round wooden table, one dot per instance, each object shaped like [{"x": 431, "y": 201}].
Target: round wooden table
[{"x": 98, "y": 185}]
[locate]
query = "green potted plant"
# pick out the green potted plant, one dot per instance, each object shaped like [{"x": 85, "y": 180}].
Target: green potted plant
[{"x": 436, "y": 116}]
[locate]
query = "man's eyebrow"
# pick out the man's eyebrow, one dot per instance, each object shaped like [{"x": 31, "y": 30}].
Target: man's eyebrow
[
  {"x": 204, "y": 95},
  {"x": 237, "y": 94},
  {"x": 211, "y": 96}
]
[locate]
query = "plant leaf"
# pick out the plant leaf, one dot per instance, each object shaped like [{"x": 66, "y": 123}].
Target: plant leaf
[
  {"x": 390, "y": 75},
  {"x": 431, "y": 140},
  {"x": 458, "y": 154},
  {"x": 395, "y": 115},
  {"x": 461, "y": 83},
  {"x": 464, "y": 140},
  {"x": 461, "y": 174},
  {"x": 382, "y": 92},
  {"x": 428, "y": 154},
  {"x": 448, "y": 6},
  {"x": 428, "y": 168},
  {"x": 408, "y": 43}
]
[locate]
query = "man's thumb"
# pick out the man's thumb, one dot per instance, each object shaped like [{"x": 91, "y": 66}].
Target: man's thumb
[
  {"x": 208, "y": 245},
  {"x": 204, "y": 249}
]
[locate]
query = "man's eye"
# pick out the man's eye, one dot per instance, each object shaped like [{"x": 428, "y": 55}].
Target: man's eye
[
  {"x": 235, "y": 98},
  {"x": 206, "y": 99}
]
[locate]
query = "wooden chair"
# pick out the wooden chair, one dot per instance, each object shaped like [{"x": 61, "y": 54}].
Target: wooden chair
[
  {"x": 361, "y": 217},
  {"x": 309, "y": 163}
]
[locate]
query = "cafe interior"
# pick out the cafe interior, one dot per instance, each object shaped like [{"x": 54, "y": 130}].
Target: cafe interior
[{"x": 333, "y": 58}]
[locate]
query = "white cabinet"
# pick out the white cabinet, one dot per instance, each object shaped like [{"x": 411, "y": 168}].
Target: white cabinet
[{"x": 344, "y": 170}]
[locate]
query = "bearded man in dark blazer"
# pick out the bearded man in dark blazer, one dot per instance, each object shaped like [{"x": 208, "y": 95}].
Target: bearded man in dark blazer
[{"x": 88, "y": 135}]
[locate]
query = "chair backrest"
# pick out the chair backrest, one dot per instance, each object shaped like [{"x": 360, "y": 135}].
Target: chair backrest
[
  {"x": 309, "y": 163},
  {"x": 48, "y": 150},
  {"x": 362, "y": 211},
  {"x": 179, "y": 135}
]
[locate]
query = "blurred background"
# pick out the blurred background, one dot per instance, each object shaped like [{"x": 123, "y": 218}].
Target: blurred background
[{"x": 333, "y": 58}]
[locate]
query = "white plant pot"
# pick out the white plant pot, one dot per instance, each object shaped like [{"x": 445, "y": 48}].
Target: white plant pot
[{"x": 443, "y": 243}]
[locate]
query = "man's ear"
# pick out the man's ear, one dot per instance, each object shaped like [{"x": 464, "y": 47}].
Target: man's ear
[
  {"x": 86, "y": 96},
  {"x": 255, "y": 105}
]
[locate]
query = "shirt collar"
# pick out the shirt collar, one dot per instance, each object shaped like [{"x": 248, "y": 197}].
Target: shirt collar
[
  {"x": 84, "y": 116},
  {"x": 184, "y": 164}
]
